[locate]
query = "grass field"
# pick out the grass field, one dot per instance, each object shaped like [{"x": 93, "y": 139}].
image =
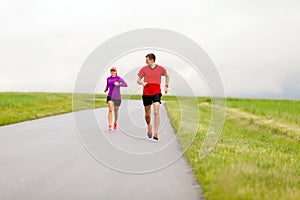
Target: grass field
[
  {"x": 18, "y": 107},
  {"x": 286, "y": 110},
  {"x": 253, "y": 159}
]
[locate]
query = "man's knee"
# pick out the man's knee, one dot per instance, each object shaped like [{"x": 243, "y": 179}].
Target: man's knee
[
  {"x": 147, "y": 109},
  {"x": 147, "y": 114},
  {"x": 156, "y": 109}
]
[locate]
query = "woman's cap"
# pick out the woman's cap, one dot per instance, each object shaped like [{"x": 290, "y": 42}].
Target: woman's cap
[{"x": 113, "y": 69}]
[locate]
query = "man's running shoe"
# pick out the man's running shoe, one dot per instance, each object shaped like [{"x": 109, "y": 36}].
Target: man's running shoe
[
  {"x": 109, "y": 127},
  {"x": 115, "y": 126},
  {"x": 155, "y": 137},
  {"x": 149, "y": 131}
]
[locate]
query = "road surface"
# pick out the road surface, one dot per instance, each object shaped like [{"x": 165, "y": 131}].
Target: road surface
[{"x": 53, "y": 158}]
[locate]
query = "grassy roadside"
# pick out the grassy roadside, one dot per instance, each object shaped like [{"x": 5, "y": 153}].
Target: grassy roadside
[
  {"x": 18, "y": 107},
  {"x": 248, "y": 162},
  {"x": 21, "y": 106},
  {"x": 284, "y": 110}
]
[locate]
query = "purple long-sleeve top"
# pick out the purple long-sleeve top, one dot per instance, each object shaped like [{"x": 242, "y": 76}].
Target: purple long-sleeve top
[{"x": 114, "y": 91}]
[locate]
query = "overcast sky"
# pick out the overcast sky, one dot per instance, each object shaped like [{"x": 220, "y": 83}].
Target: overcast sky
[{"x": 254, "y": 44}]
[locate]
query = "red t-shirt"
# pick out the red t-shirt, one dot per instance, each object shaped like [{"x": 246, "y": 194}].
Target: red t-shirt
[{"x": 153, "y": 78}]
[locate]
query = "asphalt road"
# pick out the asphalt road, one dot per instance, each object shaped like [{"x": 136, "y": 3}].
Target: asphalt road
[{"x": 60, "y": 157}]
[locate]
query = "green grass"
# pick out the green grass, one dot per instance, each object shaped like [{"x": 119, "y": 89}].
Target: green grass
[
  {"x": 18, "y": 107},
  {"x": 21, "y": 106},
  {"x": 249, "y": 161},
  {"x": 285, "y": 110}
]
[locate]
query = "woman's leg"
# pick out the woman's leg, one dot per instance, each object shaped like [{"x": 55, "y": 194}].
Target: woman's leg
[
  {"x": 116, "y": 112},
  {"x": 110, "y": 109}
]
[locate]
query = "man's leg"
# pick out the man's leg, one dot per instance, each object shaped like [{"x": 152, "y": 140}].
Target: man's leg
[
  {"x": 156, "y": 117},
  {"x": 148, "y": 114},
  {"x": 148, "y": 120}
]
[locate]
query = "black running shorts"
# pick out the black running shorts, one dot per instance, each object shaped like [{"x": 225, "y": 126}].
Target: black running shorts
[
  {"x": 117, "y": 102},
  {"x": 149, "y": 100}
]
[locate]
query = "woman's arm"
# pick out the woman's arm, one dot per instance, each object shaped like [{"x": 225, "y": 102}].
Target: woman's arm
[
  {"x": 106, "y": 88},
  {"x": 122, "y": 83}
]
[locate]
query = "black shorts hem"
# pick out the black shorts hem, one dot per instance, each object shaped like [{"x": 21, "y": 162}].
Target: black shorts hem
[{"x": 150, "y": 99}]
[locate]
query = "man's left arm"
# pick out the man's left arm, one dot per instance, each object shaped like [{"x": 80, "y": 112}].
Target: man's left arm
[{"x": 167, "y": 83}]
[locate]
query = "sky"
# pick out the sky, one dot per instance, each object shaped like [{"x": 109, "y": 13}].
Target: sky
[{"x": 254, "y": 44}]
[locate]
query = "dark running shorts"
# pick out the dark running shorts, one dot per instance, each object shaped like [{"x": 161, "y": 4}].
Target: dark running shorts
[
  {"x": 149, "y": 100},
  {"x": 117, "y": 102}
]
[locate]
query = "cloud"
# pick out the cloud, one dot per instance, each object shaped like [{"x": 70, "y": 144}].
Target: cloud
[{"x": 254, "y": 44}]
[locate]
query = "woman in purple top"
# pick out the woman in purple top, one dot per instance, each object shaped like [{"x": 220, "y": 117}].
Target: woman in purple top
[{"x": 114, "y": 82}]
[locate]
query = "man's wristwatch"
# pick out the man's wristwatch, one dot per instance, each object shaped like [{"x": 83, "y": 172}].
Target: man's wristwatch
[{"x": 167, "y": 86}]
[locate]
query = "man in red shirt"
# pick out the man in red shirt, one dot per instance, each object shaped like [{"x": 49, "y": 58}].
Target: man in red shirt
[{"x": 151, "y": 92}]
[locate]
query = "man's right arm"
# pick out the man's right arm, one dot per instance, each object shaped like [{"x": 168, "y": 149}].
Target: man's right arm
[
  {"x": 141, "y": 74},
  {"x": 140, "y": 82}
]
